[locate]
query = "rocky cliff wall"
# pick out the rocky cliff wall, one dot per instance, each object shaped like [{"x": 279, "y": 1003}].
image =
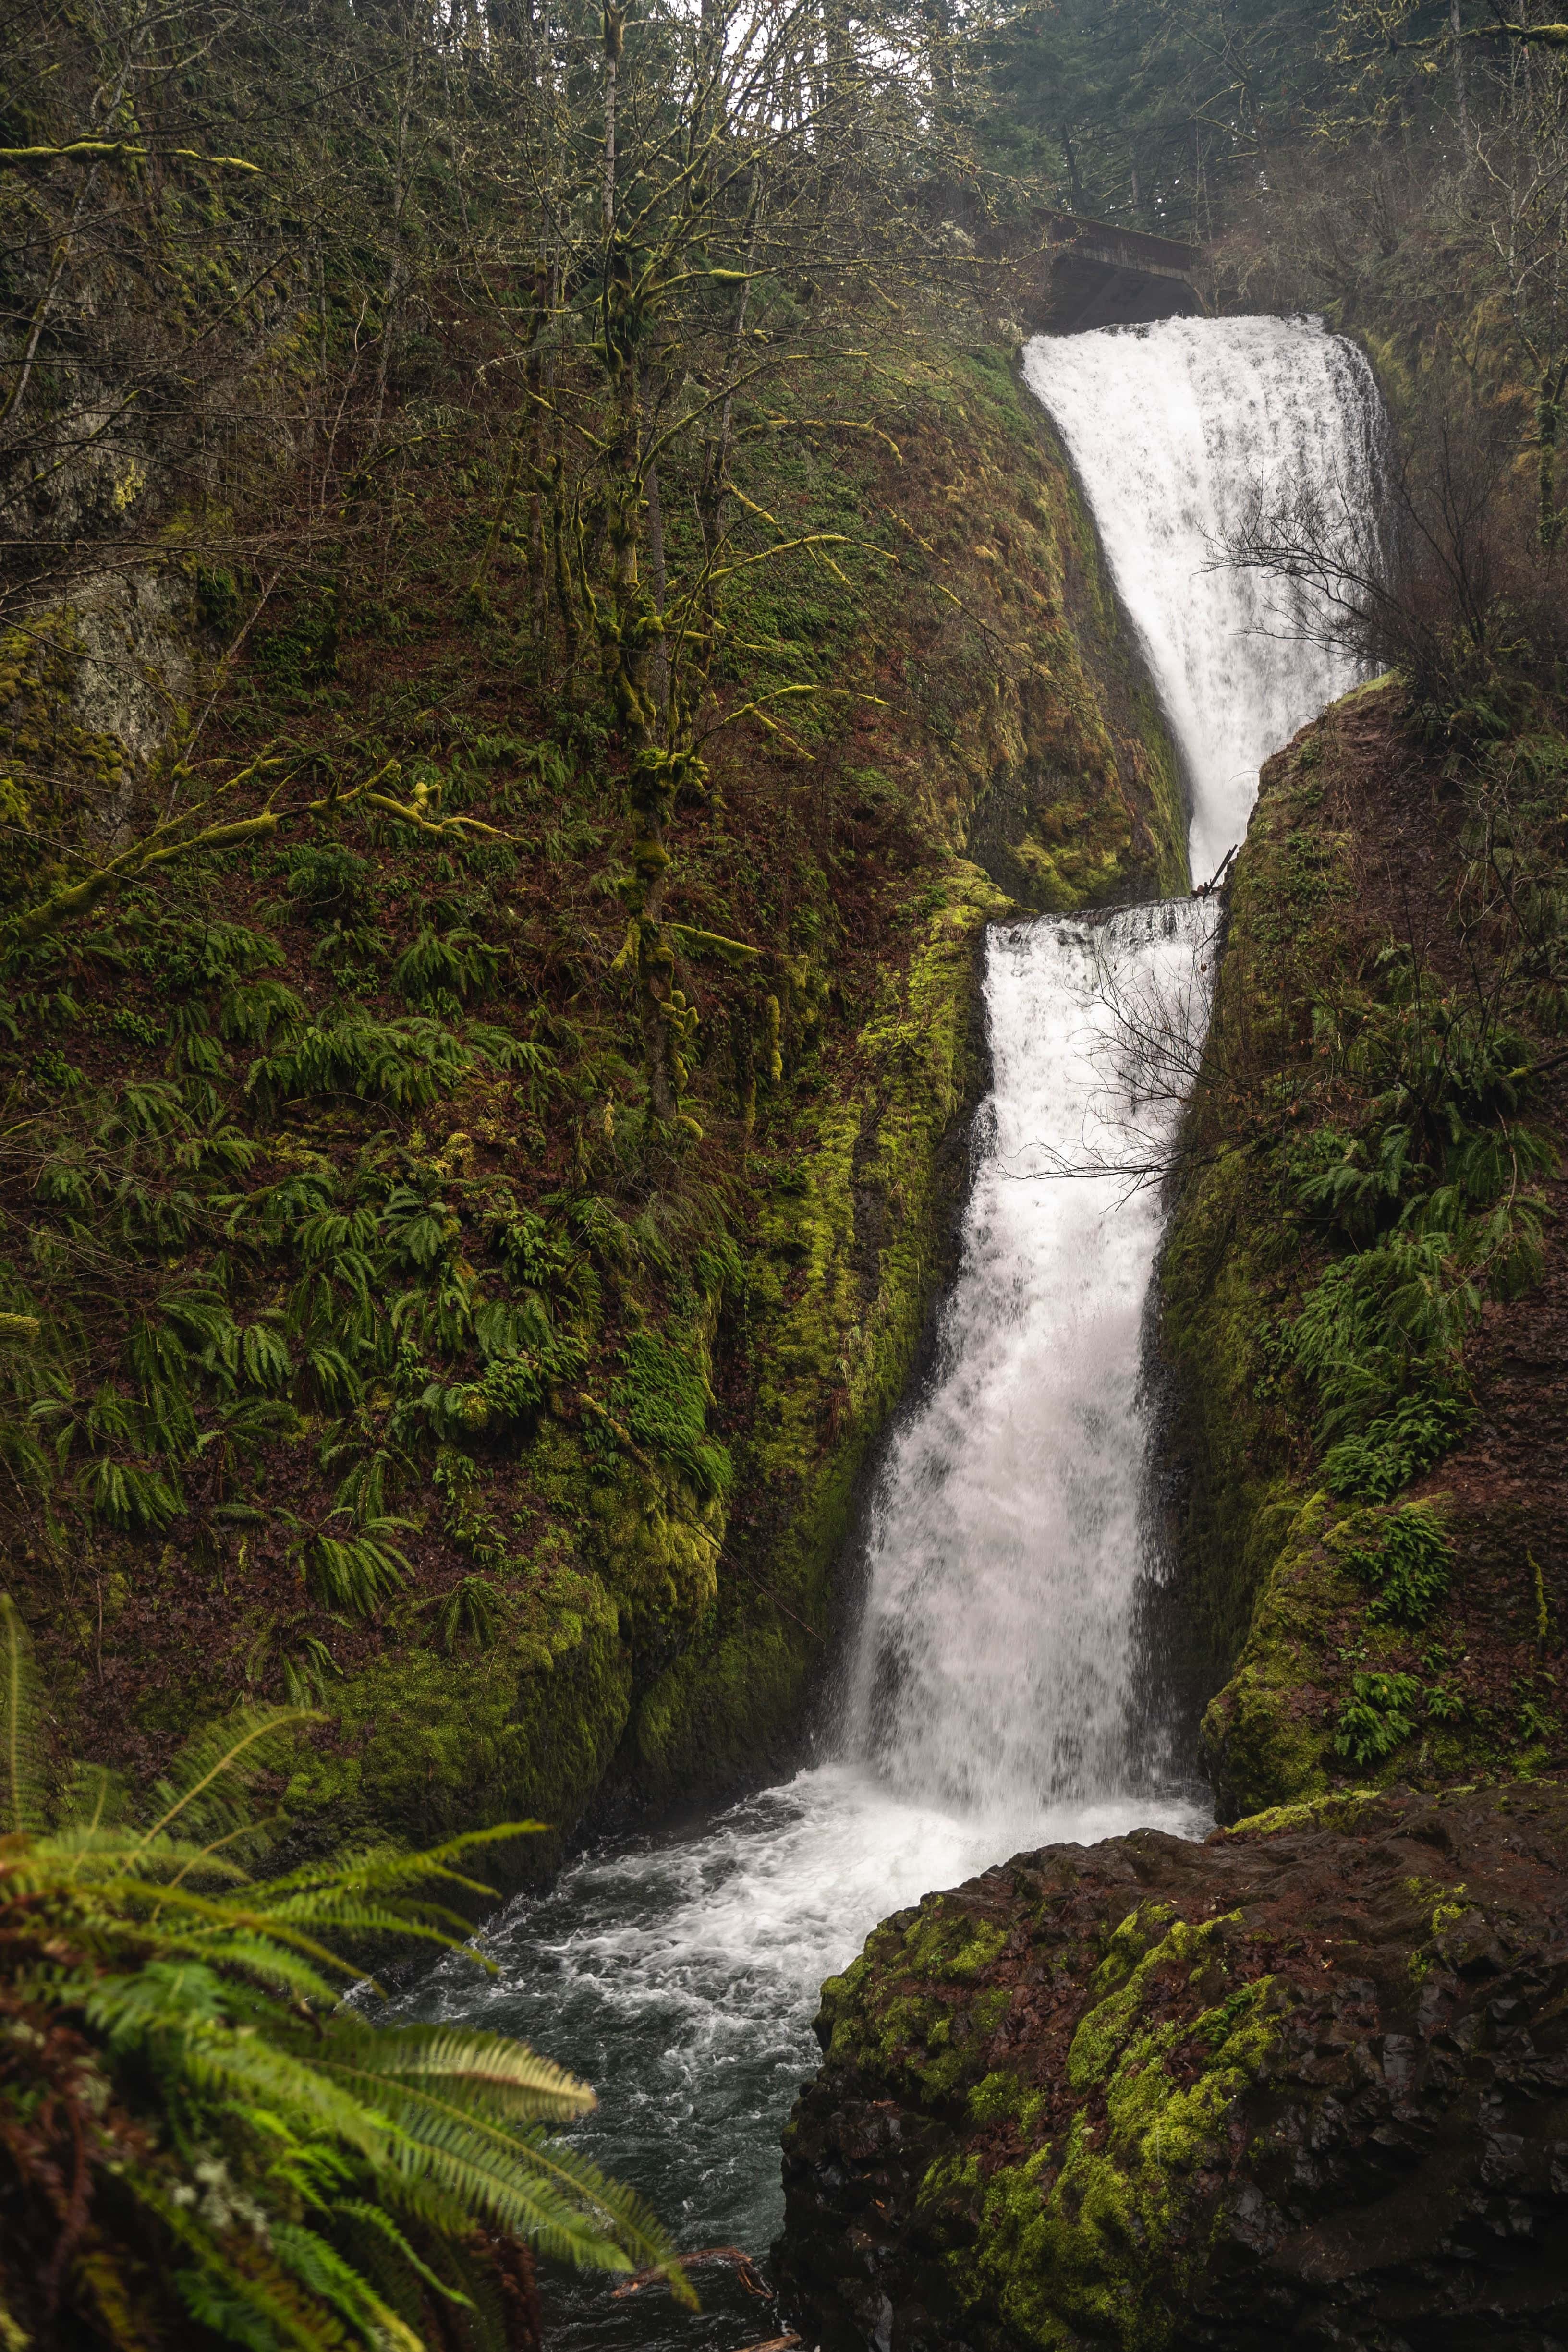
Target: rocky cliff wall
[{"x": 1364, "y": 1279}]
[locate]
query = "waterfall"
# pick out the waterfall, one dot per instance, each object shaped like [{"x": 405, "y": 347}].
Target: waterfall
[
  {"x": 995, "y": 1671},
  {"x": 1178, "y": 433},
  {"x": 990, "y": 1697},
  {"x": 994, "y": 1662}
]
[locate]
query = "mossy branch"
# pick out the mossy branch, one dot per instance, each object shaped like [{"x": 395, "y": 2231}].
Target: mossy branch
[
  {"x": 820, "y": 425},
  {"x": 754, "y": 710},
  {"x": 696, "y": 942},
  {"x": 167, "y": 843},
  {"x": 441, "y": 826},
  {"x": 12, "y": 156}
]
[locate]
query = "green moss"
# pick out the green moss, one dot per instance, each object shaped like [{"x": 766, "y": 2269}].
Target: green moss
[
  {"x": 425, "y": 1745},
  {"x": 1128, "y": 838},
  {"x": 1128, "y": 1943},
  {"x": 1315, "y": 1616},
  {"x": 1000, "y": 2097},
  {"x": 1106, "y": 2033},
  {"x": 1268, "y": 1737},
  {"x": 1088, "y": 2238},
  {"x": 861, "y": 1231},
  {"x": 949, "y": 1947},
  {"x": 1341, "y": 1811},
  {"x": 663, "y": 1398}
]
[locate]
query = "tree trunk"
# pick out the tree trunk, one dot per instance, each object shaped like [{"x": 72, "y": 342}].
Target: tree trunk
[
  {"x": 614, "y": 44},
  {"x": 1548, "y": 422},
  {"x": 1074, "y": 183},
  {"x": 1461, "y": 94},
  {"x": 656, "y": 558}
]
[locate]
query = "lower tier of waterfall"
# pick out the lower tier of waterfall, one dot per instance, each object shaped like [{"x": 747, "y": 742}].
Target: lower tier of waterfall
[{"x": 991, "y": 1700}]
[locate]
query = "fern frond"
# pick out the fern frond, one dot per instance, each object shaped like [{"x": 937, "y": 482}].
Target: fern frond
[
  {"x": 210, "y": 1778},
  {"x": 322, "y": 2270},
  {"x": 264, "y": 2296},
  {"x": 139, "y": 1896},
  {"x": 379, "y": 2223},
  {"x": 25, "y": 1794},
  {"x": 527, "y": 2183},
  {"x": 507, "y": 2077},
  {"x": 385, "y": 1869}
]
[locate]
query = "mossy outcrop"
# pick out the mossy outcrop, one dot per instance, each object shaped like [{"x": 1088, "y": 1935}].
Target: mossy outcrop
[
  {"x": 1305, "y": 2082},
  {"x": 1080, "y": 800},
  {"x": 1359, "y": 1358},
  {"x": 672, "y": 1657}
]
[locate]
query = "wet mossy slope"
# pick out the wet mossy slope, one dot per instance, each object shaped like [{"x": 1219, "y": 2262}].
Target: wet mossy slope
[
  {"x": 1365, "y": 1280},
  {"x": 372, "y": 1347}
]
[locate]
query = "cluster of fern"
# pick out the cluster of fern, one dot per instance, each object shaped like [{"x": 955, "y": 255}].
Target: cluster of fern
[
  {"x": 1435, "y": 1203},
  {"x": 201, "y": 2140},
  {"x": 183, "y": 1299}
]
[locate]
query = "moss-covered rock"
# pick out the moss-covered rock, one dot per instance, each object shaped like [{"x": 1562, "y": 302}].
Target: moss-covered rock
[
  {"x": 1291, "y": 2082},
  {"x": 847, "y": 1252},
  {"x": 1082, "y": 801},
  {"x": 424, "y": 1742},
  {"x": 1352, "y": 876}
]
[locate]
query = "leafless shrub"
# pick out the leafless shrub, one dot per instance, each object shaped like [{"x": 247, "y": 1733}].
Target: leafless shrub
[
  {"x": 1459, "y": 589},
  {"x": 1145, "y": 992}
]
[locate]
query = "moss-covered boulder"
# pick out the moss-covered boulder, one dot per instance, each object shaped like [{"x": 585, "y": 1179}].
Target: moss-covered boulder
[{"x": 1306, "y": 2082}]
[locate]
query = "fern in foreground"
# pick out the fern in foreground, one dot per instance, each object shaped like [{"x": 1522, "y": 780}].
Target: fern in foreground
[{"x": 200, "y": 2143}]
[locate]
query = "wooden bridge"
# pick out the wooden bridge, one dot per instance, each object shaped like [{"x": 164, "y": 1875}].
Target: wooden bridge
[{"x": 1099, "y": 274}]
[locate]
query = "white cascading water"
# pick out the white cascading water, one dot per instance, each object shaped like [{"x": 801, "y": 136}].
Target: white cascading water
[
  {"x": 990, "y": 1701},
  {"x": 1180, "y": 433},
  {"x": 995, "y": 1666},
  {"x": 995, "y": 1669}
]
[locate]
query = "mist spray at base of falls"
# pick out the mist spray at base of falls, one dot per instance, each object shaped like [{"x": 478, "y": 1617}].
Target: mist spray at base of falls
[{"x": 992, "y": 1699}]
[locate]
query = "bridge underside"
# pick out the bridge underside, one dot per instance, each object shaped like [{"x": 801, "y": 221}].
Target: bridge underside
[
  {"x": 1092, "y": 273},
  {"x": 1082, "y": 291}
]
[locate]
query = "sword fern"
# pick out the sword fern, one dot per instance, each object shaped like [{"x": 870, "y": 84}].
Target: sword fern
[{"x": 201, "y": 2141}]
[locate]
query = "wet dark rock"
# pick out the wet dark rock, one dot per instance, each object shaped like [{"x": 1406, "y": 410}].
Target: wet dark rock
[{"x": 1305, "y": 2084}]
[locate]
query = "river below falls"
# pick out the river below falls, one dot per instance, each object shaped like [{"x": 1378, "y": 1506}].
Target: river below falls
[
  {"x": 679, "y": 1974},
  {"x": 1003, "y": 1686}
]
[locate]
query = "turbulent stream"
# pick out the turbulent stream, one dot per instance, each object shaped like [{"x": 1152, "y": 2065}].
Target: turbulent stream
[{"x": 996, "y": 1694}]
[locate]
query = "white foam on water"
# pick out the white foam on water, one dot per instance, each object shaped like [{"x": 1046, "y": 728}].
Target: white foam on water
[{"x": 680, "y": 1975}]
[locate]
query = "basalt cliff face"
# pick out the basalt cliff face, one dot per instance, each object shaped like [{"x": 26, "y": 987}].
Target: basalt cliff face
[{"x": 1306, "y": 2083}]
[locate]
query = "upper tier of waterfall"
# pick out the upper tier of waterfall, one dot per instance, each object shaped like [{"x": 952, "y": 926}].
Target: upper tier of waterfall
[{"x": 1179, "y": 433}]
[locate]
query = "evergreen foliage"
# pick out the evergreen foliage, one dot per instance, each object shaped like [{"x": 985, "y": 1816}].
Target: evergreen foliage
[
  {"x": 201, "y": 2139},
  {"x": 1152, "y": 111}
]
